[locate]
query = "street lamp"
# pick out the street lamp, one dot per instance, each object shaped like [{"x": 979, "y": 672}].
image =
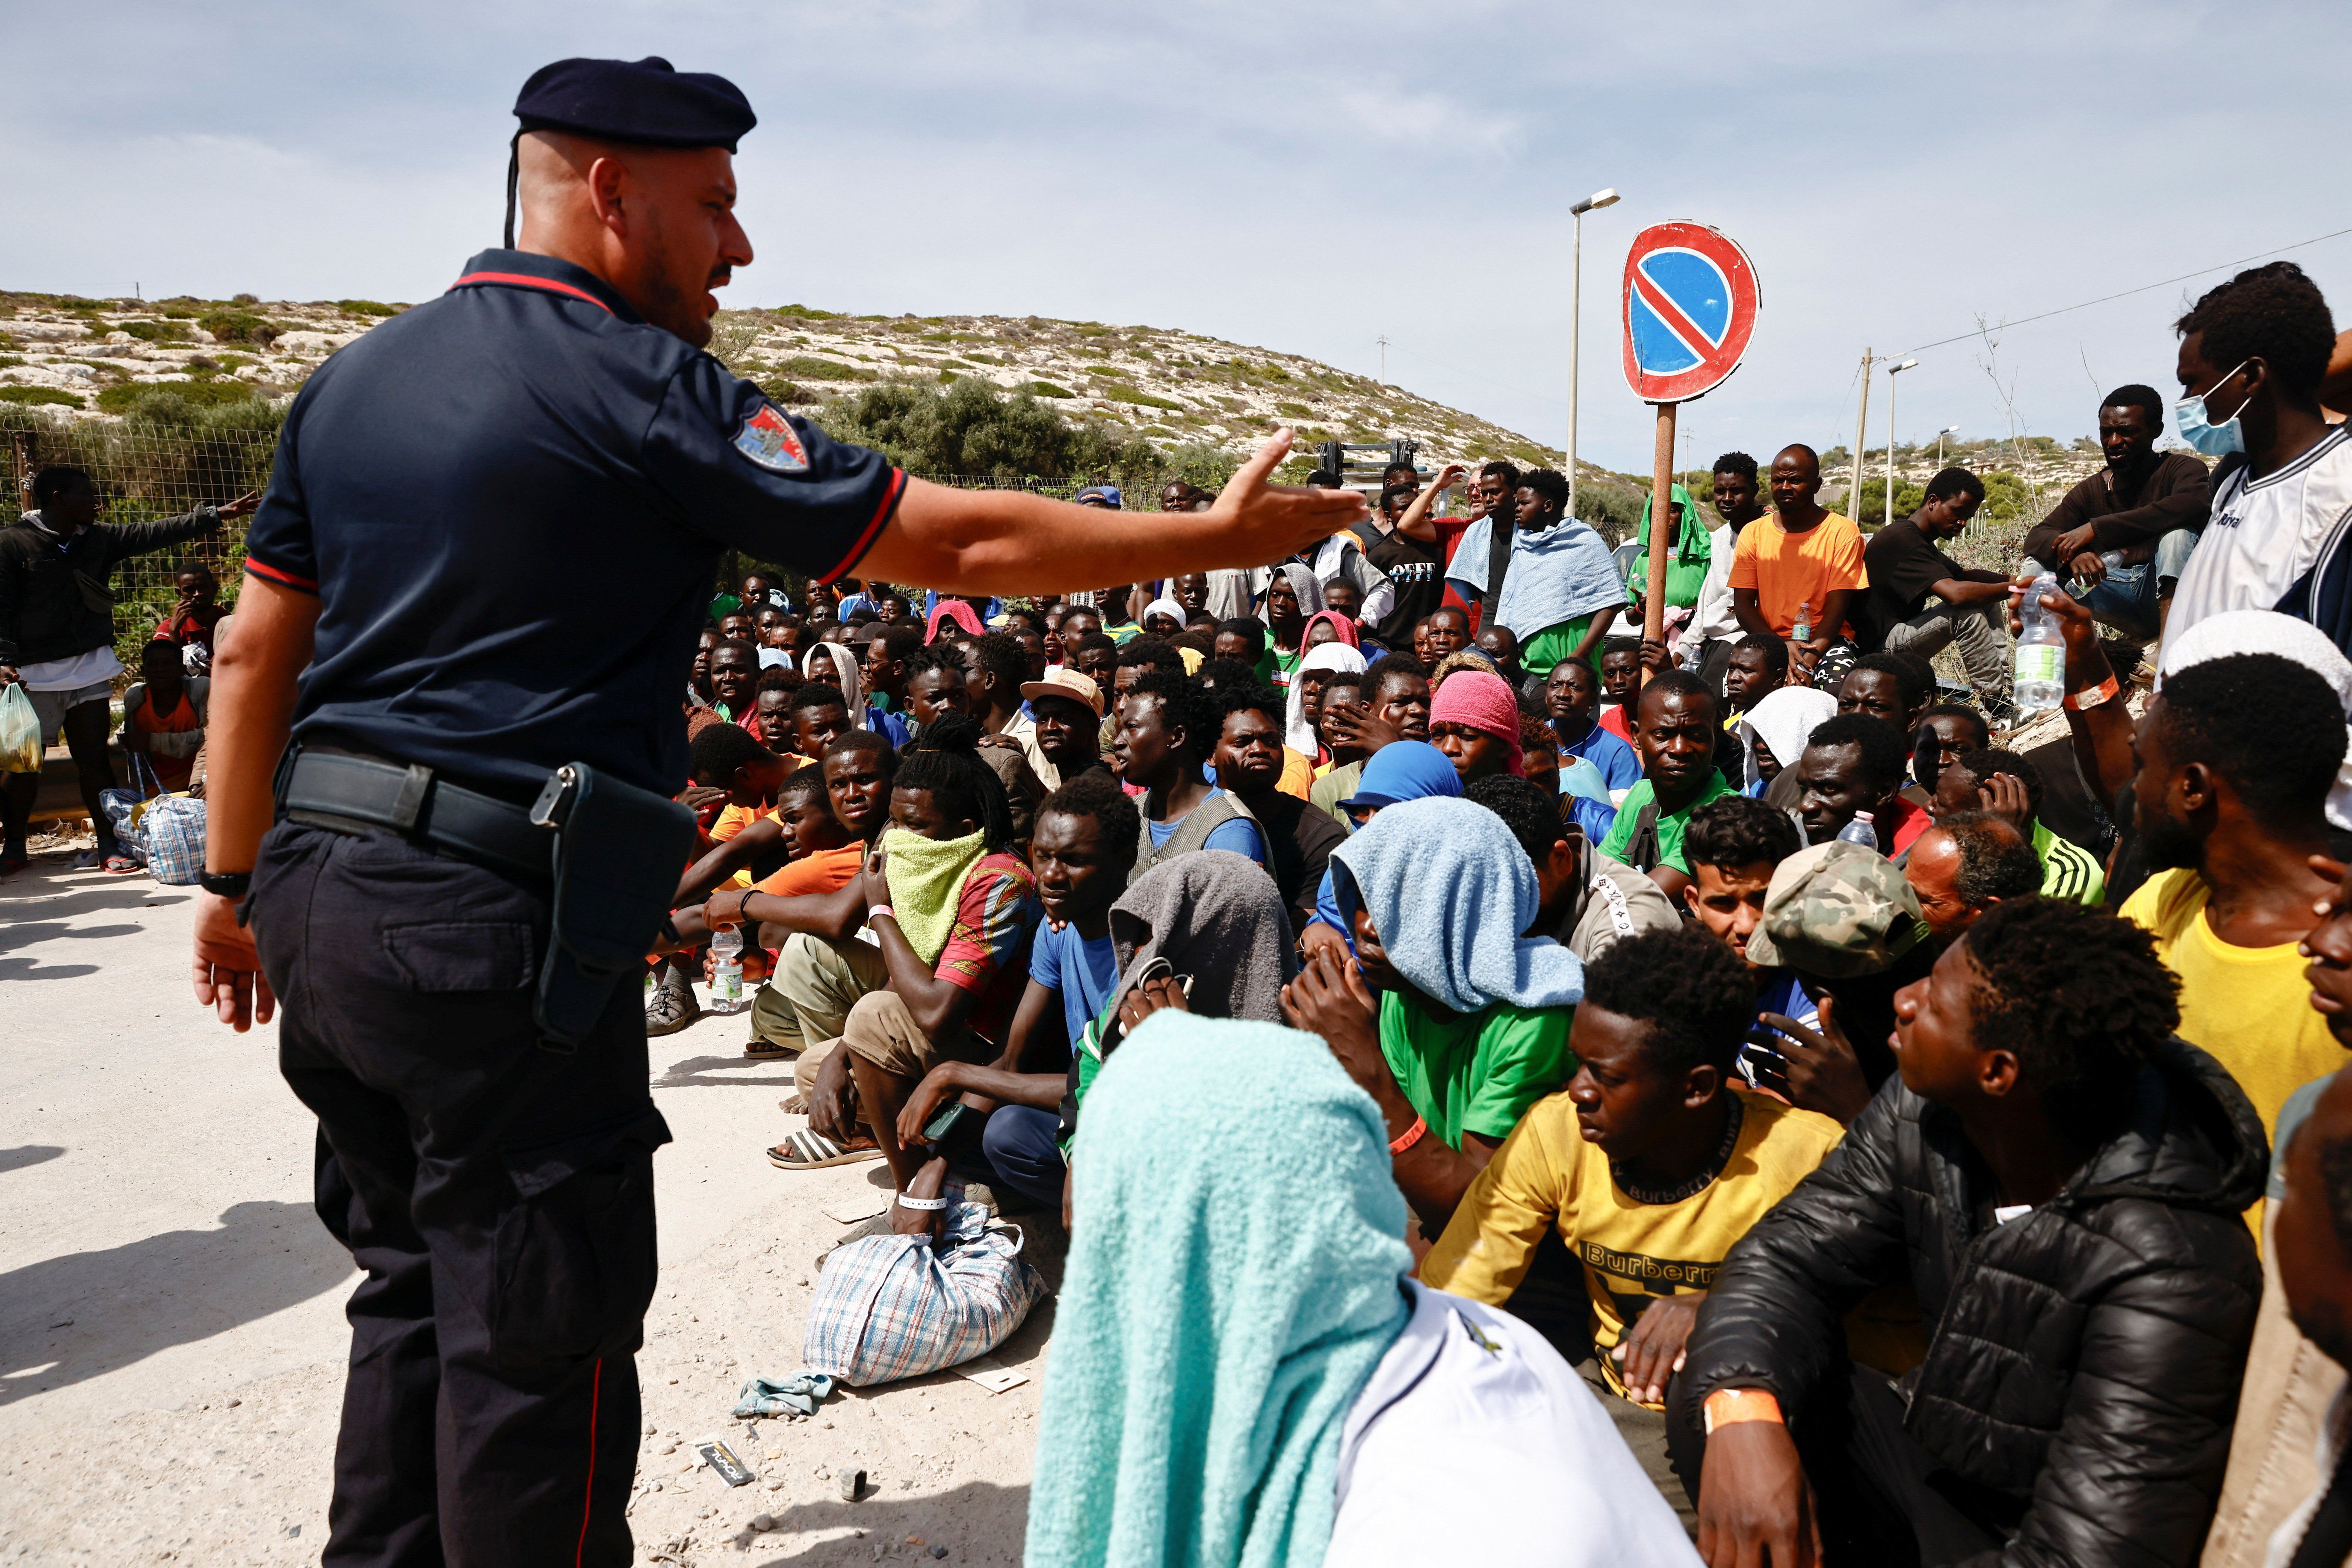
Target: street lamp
[
  {"x": 1576, "y": 320},
  {"x": 1947, "y": 430},
  {"x": 1892, "y": 371}
]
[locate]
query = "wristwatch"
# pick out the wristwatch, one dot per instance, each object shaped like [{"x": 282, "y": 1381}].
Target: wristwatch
[{"x": 228, "y": 884}]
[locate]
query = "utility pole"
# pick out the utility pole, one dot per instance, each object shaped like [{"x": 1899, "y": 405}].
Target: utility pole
[
  {"x": 1861, "y": 430},
  {"x": 1384, "y": 360}
]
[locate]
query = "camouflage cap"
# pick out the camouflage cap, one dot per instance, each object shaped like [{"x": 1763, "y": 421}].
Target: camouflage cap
[{"x": 1836, "y": 910}]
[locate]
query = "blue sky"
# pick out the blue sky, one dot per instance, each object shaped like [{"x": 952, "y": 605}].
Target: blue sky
[{"x": 1304, "y": 177}]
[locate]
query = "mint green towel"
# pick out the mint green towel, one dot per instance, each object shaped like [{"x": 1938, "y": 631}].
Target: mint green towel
[{"x": 1234, "y": 1276}]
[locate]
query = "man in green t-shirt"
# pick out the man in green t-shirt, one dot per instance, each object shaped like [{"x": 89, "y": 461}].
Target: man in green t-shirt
[
  {"x": 1470, "y": 1023},
  {"x": 1674, "y": 733}
]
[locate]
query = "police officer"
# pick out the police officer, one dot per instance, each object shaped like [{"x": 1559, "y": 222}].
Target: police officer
[{"x": 489, "y": 540}]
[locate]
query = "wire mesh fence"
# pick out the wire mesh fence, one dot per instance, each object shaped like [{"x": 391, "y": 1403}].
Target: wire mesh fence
[{"x": 145, "y": 471}]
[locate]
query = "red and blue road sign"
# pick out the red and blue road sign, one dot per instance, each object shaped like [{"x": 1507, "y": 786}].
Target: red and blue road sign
[{"x": 1691, "y": 298}]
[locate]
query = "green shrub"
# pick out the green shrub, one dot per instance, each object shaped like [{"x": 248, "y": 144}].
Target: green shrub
[
  {"x": 366, "y": 308},
  {"x": 1293, "y": 410},
  {"x": 803, "y": 313},
  {"x": 1046, "y": 389},
  {"x": 178, "y": 313},
  {"x": 142, "y": 396},
  {"x": 6, "y": 360},
  {"x": 244, "y": 299},
  {"x": 1129, "y": 394},
  {"x": 1104, "y": 370},
  {"x": 808, "y": 367},
  {"x": 156, "y": 331},
  {"x": 236, "y": 326},
  {"x": 39, "y": 394}
]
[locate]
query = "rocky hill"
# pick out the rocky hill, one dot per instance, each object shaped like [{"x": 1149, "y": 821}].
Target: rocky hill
[{"x": 94, "y": 358}]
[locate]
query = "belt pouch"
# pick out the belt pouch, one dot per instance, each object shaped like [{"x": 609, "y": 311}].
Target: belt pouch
[{"x": 618, "y": 852}]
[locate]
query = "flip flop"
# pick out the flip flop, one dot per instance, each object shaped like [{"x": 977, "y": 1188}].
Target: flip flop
[
  {"x": 768, "y": 1051},
  {"x": 120, "y": 865},
  {"x": 807, "y": 1151}
]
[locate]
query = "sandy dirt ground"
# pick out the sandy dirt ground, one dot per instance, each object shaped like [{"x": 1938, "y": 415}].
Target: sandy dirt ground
[{"x": 172, "y": 1336}]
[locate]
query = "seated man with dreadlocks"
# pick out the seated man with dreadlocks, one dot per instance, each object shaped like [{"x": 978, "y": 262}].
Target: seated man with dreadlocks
[{"x": 952, "y": 909}]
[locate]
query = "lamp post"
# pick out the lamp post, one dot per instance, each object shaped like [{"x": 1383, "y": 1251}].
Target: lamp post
[
  {"x": 1892, "y": 371},
  {"x": 1576, "y": 319},
  {"x": 1947, "y": 430}
]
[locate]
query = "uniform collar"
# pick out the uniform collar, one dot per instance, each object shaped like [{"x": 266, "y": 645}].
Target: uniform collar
[{"x": 525, "y": 269}]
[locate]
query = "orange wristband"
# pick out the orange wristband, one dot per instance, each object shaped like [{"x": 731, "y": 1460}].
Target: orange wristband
[
  {"x": 1730, "y": 1406},
  {"x": 1409, "y": 1137},
  {"x": 2093, "y": 695}
]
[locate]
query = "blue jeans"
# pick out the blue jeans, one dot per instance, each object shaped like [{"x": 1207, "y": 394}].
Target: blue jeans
[
  {"x": 2125, "y": 599},
  {"x": 1023, "y": 1147}
]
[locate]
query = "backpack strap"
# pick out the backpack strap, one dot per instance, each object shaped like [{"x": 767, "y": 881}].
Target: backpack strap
[{"x": 1641, "y": 851}]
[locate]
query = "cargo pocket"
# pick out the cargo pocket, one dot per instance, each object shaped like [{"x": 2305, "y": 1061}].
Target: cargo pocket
[
  {"x": 575, "y": 1245},
  {"x": 462, "y": 955}
]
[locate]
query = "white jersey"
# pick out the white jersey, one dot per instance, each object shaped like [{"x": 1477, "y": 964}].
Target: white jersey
[{"x": 2265, "y": 536}]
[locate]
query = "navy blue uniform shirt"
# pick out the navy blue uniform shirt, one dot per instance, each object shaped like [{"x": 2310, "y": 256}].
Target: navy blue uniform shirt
[{"x": 511, "y": 502}]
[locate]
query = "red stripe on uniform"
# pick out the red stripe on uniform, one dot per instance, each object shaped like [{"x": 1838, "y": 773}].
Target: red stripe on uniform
[
  {"x": 525, "y": 280},
  {"x": 866, "y": 539},
  {"x": 276, "y": 574},
  {"x": 595, "y": 1397}
]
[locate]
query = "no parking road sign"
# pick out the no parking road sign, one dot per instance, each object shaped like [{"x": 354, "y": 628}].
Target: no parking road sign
[{"x": 1690, "y": 308}]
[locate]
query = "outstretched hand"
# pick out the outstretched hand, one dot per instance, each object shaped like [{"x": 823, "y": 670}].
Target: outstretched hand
[{"x": 1259, "y": 520}]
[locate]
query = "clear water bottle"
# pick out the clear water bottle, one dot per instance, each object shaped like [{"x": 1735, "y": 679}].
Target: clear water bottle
[
  {"x": 1803, "y": 629},
  {"x": 1861, "y": 831},
  {"x": 2041, "y": 666},
  {"x": 726, "y": 970},
  {"x": 2113, "y": 559}
]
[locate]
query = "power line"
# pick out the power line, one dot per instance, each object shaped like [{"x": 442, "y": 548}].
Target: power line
[{"x": 2126, "y": 293}]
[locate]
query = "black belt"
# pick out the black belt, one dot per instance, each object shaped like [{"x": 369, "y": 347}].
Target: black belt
[{"x": 328, "y": 789}]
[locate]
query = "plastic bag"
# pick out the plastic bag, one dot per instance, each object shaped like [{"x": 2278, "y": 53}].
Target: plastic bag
[
  {"x": 20, "y": 732},
  {"x": 174, "y": 830},
  {"x": 892, "y": 1307}
]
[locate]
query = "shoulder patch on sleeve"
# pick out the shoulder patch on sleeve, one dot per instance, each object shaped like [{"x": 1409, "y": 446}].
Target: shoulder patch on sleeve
[{"x": 769, "y": 439}]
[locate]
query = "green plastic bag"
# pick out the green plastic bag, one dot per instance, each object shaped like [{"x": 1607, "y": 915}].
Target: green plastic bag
[{"x": 20, "y": 732}]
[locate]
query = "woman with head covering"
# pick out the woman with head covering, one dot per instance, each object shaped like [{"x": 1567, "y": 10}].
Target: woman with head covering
[
  {"x": 1685, "y": 568},
  {"x": 1776, "y": 729},
  {"x": 1292, "y": 596},
  {"x": 1304, "y": 701},
  {"x": 1474, "y": 719},
  {"x": 1243, "y": 1373}
]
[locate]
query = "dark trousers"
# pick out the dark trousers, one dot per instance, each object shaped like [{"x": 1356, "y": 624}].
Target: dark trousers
[
  {"x": 499, "y": 1197},
  {"x": 1885, "y": 1501},
  {"x": 1024, "y": 1149}
]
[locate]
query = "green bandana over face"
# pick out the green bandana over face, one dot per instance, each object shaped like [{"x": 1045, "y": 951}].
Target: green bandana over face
[{"x": 925, "y": 875}]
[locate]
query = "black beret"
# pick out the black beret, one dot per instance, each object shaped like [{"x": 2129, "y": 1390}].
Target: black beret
[{"x": 646, "y": 102}]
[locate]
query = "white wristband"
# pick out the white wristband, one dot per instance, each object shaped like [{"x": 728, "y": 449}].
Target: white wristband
[{"x": 922, "y": 1205}]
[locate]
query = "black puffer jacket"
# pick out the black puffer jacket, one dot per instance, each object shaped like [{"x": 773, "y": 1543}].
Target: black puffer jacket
[
  {"x": 56, "y": 602},
  {"x": 2087, "y": 1357}
]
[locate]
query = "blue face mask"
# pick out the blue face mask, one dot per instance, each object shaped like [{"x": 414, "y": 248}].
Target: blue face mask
[{"x": 2201, "y": 433}]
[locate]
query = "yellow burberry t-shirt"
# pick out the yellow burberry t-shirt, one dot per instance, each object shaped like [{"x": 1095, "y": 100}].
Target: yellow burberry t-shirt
[
  {"x": 1547, "y": 1175},
  {"x": 2249, "y": 1007}
]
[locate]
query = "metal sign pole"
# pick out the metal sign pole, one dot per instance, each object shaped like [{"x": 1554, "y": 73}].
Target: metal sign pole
[{"x": 1663, "y": 535}]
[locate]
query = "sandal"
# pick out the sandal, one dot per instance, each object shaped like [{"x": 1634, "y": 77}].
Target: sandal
[
  {"x": 120, "y": 865},
  {"x": 807, "y": 1151},
  {"x": 672, "y": 1008},
  {"x": 768, "y": 1051}
]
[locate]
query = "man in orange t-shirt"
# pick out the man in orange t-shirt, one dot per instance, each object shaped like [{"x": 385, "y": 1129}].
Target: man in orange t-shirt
[{"x": 1801, "y": 556}]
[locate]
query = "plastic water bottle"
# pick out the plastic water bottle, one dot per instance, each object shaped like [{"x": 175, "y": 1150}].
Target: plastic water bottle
[
  {"x": 1860, "y": 831},
  {"x": 1803, "y": 630},
  {"x": 2040, "y": 679},
  {"x": 2113, "y": 559},
  {"x": 726, "y": 970}
]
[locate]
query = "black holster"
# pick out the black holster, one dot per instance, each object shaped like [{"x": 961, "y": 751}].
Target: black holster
[{"x": 619, "y": 851}]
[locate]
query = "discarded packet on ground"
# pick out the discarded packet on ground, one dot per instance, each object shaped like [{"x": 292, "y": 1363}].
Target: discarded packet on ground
[{"x": 721, "y": 1457}]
